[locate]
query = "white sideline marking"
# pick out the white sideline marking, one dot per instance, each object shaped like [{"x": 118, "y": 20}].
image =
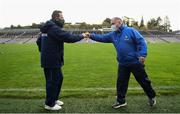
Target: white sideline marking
[{"x": 83, "y": 89}]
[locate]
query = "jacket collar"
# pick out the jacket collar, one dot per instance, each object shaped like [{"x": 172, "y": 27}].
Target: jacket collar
[{"x": 121, "y": 28}]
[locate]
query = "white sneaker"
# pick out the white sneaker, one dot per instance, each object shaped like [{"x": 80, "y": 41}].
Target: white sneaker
[
  {"x": 152, "y": 101},
  {"x": 55, "y": 107},
  {"x": 58, "y": 102}
]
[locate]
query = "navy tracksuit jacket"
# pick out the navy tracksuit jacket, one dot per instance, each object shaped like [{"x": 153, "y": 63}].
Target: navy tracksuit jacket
[{"x": 51, "y": 46}]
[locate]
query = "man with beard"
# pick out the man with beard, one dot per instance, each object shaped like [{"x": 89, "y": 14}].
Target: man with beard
[{"x": 51, "y": 46}]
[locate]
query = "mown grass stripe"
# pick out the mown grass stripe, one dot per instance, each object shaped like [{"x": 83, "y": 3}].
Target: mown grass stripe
[{"x": 85, "y": 89}]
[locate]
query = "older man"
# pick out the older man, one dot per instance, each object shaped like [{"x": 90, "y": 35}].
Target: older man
[{"x": 131, "y": 50}]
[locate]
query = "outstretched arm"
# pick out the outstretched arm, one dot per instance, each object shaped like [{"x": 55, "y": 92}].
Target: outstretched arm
[
  {"x": 65, "y": 36},
  {"x": 106, "y": 38}
]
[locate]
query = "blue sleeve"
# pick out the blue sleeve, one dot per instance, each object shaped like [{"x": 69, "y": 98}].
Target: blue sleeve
[
  {"x": 106, "y": 38},
  {"x": 64, "y": 36},
  {"x": 141, "y": 43}
]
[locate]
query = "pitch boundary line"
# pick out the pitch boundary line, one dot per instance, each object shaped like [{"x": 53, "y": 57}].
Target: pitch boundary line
[{"x": 83, "y": 89}]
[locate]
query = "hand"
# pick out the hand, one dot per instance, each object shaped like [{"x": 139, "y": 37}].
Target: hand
[
  {"x": 86, "y": 36},
  {"x": 142, "y": 59}
]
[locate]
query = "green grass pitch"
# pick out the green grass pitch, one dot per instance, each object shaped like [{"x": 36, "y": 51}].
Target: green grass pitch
[{"x": 90, "y": 73}]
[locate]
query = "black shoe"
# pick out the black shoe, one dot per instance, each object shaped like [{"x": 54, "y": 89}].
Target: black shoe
[
  {"x": 152, "y": 101},
  {"x": 119, "y": 104}
]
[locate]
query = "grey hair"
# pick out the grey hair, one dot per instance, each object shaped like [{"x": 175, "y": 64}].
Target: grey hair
[{"x": 116, "y": 18}]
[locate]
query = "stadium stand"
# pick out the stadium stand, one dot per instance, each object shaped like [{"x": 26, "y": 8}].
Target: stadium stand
[
  {"x": 145, "y": 32},
  {"x": 30, "y": 35}
]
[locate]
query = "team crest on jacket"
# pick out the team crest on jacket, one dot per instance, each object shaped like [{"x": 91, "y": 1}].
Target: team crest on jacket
[{"x": 126, "y": 38}]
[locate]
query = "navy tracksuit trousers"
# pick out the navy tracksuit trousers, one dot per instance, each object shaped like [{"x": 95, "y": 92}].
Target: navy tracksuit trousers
[
  {"x": 54, "y": 79},
  {"x": 140, "y": 76}
]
